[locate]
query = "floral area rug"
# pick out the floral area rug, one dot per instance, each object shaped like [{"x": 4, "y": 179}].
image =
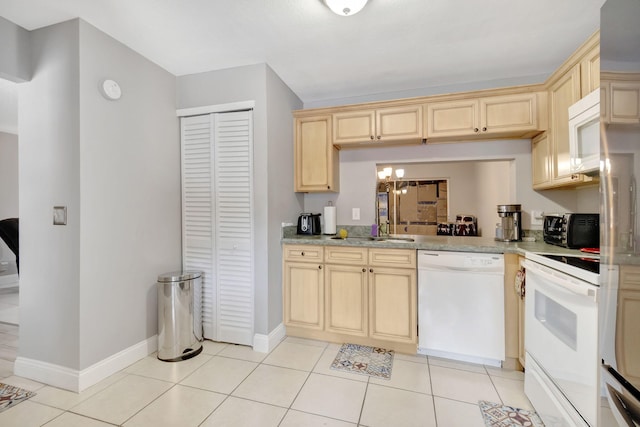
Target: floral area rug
[
  {"x": 361, "y": 359},
  {"x": 11, "y": 396},
  {"x": 497, "y": 415}
]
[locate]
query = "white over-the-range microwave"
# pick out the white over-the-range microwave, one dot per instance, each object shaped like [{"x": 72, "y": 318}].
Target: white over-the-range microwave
[{"x": 584, "y": 134}]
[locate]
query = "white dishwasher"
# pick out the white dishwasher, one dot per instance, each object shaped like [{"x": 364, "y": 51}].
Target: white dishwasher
[{"x": 461, "y": 306}]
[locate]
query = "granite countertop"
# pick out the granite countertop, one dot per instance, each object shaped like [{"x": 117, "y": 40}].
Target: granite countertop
[{"x": 436, "y": 243}]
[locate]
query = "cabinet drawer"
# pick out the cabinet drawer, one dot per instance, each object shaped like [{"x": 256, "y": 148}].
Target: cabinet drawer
[
  {"x": 303, "y": 253},
  {"x": 402, "y": 258},
  {"x": 345, "y": 255}
]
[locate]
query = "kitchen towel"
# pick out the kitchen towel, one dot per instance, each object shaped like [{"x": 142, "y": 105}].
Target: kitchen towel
[{"x": 329, "y": 219}]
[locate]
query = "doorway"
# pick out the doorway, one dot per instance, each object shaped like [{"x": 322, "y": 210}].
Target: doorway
[{"x": 9, "y": 280}]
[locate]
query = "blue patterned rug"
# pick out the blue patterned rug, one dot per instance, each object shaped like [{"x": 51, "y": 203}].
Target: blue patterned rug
[
  {"x": 11, "y": 396},
  {"x": 497, "y": 415},
  {"x": 361, "y": 359}
]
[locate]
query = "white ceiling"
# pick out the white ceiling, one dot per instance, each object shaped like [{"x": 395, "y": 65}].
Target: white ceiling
[{"x": 390, "y": 46}]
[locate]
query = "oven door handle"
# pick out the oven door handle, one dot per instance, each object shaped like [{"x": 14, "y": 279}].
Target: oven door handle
[{"x": 567, "y": 283}]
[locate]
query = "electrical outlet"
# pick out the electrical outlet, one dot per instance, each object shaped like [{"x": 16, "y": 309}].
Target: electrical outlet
[
  {"x": 536, "y": 218},
  {"x": 355, "y": 214}
]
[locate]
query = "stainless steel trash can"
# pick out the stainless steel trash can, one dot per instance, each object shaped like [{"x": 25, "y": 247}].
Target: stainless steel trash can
[{"x": 179, "y": 315}]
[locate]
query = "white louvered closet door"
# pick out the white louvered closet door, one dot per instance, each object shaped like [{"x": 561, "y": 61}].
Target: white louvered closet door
[{"x": 217, "y": 220}]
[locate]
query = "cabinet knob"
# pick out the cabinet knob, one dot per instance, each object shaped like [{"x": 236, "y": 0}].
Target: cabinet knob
[
  {"x": 371, "y": 270},
  {"x": 302, "y": 253},
  {"x": 328, "y": 187},
  {"x": 475, "y": 129},
  {"x": 319, "y": 267},
  {"x": 371, "y": 136},
  {"x": 379, "y": 137},
  {"x": 364, "y": 270},
  {"x": 484, "y": 129}
]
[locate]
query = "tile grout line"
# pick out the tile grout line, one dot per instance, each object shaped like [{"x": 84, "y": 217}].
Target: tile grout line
[
  {"x": 326, "y": 347},
  {"x": 364, "y": 399},
  {"x": 433, "y": 397}
]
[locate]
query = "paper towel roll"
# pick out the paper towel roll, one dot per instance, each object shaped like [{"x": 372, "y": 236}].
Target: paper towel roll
[{"x": 329, "y": 220}]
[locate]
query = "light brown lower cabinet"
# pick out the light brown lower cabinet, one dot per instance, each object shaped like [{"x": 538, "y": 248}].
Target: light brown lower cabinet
[
  {"x": 368, "y": 296},
  {"x": 346, "y": 299},
  {"x": 304, "y": 291},
  {"x": 521, "y": 357},
  {"x": 392, "y": 304},
  {"x": 514, "y": 314},
  {"x": 626, "y": 328}
]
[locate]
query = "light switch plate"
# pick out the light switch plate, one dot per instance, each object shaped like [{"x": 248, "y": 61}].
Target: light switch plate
[
  {"x": 59, "y": 215},
  {"x": 355, "y": 214}
]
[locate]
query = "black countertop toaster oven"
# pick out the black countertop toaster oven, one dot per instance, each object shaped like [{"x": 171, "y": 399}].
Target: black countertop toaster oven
[{"x": 572, "y": 230}]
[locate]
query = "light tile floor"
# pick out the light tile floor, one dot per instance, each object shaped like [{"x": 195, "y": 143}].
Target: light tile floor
[
  {"x": 9, "y": 310},
  {"x": 230, "y": 385}
]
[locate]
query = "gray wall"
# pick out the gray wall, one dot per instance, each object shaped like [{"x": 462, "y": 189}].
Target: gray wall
[
  {"x": 8, "y": 185},
  {"x": 274, "y": 200},
  {"x": 283, "y": 202},
  {"x": 88, "y": 288},
  {"x": 129, "y": 195},
  {"x": 358, "y": 178},
  {"x": 49, "y": 174},
  {"x": 15, "y": 61}
]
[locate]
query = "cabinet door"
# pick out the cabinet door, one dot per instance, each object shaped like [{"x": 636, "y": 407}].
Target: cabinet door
[
  {"x": 624, "y": 98},
  {"x": 452, "y": 118},
  {"x": 346, "y": 299},
  {"x": 316, "y": 159},
  {"x": 392, "y": 304},
  {"x": 562, "y": 94},
  {"x": 590, "y": 71},
  {"x": 399, "y": 123},
  {"x": 521, "y": 356},
  {"x": 354, "y": 127},
  {"x": 605, "y": 102},
  {"x": 304, "y": 295},
  {"x": 508, "y": 114},
  {"x": 540, "y": 161},
  {"x": 627, "y": 332}
]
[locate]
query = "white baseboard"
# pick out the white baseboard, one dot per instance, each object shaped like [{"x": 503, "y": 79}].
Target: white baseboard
[
  {"x": 74, "y": 380},
  {"x": 266, "y": 343}
]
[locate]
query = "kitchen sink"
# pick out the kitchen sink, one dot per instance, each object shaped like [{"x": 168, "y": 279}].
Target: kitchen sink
[
  {"x": 395, "y": 239},
  {"x": 354, "y": 238},
  {"x": 378, "y": 239}
]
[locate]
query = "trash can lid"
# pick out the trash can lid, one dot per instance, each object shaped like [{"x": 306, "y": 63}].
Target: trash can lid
[{"x": 179, "y": 276}]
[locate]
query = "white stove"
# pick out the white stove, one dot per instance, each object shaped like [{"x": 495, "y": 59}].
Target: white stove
[{"x": 561, "y": 339}]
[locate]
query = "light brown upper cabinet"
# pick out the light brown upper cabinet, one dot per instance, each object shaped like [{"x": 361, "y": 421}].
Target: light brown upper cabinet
[
  {"x": 577, "y": 77},
  {"x": 623, "y": 102},
  {"x": 620, "y": 97},
  {"x": 590, "y": 71},
  {"x": 316, "y": 161},
  {"x": 400, "y": 124},
  {"x": 540, "y": 161},
  {"x": 514, "y": 115},
  {"x": 562, "y": 94}
]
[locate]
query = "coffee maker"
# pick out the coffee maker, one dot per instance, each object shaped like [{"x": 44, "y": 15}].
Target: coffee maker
[{"x": 509, "y": 229}]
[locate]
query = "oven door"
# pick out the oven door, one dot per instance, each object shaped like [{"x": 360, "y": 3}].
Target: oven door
[{"x": 560, "y": 334}]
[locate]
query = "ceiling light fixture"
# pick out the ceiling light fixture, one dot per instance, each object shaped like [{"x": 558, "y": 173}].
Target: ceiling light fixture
[{"x": 346, "y": 7}]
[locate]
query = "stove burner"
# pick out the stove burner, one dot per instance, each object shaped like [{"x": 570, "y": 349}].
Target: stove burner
[{"x": 588, "y": 264}]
